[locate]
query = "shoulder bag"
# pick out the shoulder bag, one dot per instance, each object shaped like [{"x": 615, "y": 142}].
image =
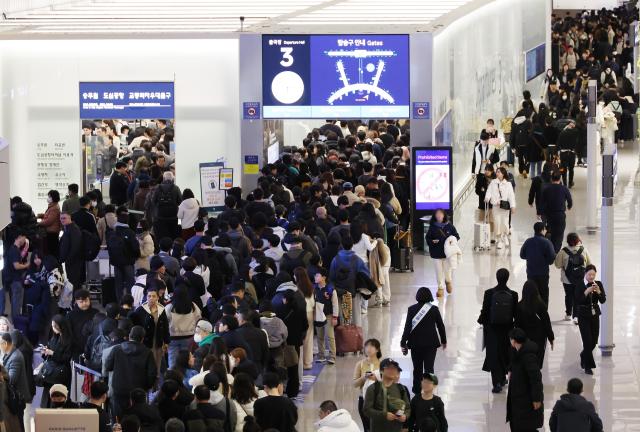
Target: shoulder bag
[{"x": 504, "y": 204}]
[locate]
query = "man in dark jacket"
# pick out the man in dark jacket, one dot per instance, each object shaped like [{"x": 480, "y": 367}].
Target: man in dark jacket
[
  {"x": 573, "y": 413},
  {"x": 540, "y": 254},
  {"x": 256, "y": 338},
  {"x": 228, "y": 330},
  {"x": 556, "y": 200},
  {"x": 496, "y": 324},
  {"x": 525, "y": 411},
  {"x": 13, "y": 362},
  {"x": 290, "y": 306},
  {"x": 84, "y": 218},
  {"x": 81, "y": 321},
  {"x": 133, "y": 367},
  {"x": 166, "y": 200},
  {"x": 296, "y": 256},
  {"x": 124, "y": 249},
  {"x": 149, "y": 416},
  {"x": 119, "y": 184},
  {"x": 204, "y": 416},
  {"x": 259, "y": 204},
  {"x": 97, "y": 399},
  {"x": 538, "y": 185},
  {"x": 72, "y": 251},
  {"x": 567, "y": 143}
]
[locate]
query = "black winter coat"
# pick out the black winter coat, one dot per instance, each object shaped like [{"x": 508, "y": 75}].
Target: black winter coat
[
  {"x": 430, "y": 331},
  {"x": 142, "y": 317},
  {"x": 85, "y": 220},
  {"x": 496, "y": 336},
  {"x": 537, "y": 327},
  {"x": 573, "y": 413},
  {"x": 72, "y": 254},
  {"x": 436, "y": 250},
  {"x": 525, "y": 387},
  {"x": 132, "y": 365},
  {"x": 257, "y": 341}
]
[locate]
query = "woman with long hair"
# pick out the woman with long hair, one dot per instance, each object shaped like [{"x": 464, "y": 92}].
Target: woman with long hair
[
  {"x": 503, "y": 201},
  {"x": 188, "y": 213},
  {"x": 440, "y": 229},
  {"x": 146, "y": 245},
  {"x": 531, "y": 316},
  {"x": 301, "y": 278},
  {"x": 367, "y": 372},
  {"x": 50, "y": 222},
  {"x": 243, "y": 395},
  {"x": 57, "y": 353},
  {"x": 183, "y": 315}
]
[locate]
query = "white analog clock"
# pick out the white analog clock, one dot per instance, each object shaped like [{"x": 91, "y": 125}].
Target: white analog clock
[{"x": 287, "y": 87}]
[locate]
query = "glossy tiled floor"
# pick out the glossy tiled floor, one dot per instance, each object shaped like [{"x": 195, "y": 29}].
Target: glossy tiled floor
[{"x": 470, "y": 405}]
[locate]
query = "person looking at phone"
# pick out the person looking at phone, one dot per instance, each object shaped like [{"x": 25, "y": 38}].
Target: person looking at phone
[
  {"x": 366, "y": 373},
  {"x": 386, "y": 402},
  {"x": 588, "y": 297}
]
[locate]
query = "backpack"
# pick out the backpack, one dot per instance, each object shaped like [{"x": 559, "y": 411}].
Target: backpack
[
  {"x": 90, "y": 245},
  {"x": 501, "y": 307},
  {"x": 119, "y": 248},
  {"x": 101, "y": 343},
  {"x": 166, "y": 204},
  {"x": 345, "y": 278},
  {"x": 575, "y": 265}
]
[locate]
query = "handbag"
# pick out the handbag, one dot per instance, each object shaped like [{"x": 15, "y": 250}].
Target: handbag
[
  {"x": 50, "y": 372},
  {"x": 504, "y": 205}
]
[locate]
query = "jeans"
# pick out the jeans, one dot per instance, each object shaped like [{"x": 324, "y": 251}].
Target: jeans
[
  {"x": 327, "y": 330},
  {"x": 443, "y": 272},
  {"x": 175, "y": 346},
  {"x": 17, "y": 296},
  {"x": 535, "y": 169},
  {"x": 124, "y": 279}
]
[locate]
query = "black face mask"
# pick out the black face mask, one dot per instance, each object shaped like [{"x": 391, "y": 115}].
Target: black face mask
[{"x": 57, "y": 404}]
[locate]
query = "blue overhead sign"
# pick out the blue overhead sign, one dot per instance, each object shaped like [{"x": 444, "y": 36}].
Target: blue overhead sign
[{"x": 127, "y": 100}]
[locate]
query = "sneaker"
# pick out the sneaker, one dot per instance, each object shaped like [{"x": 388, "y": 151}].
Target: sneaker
[
  {"x": 506, "y": 240},
  {"x": 496, "y": 389},
  {"x": 321, "y": 360},
  {"x": 377, "y": 304},
  {"x": 331, "y": 361},
  {"x": 363, "y": 311},
  {"x": 575, "y": 321},
  {"x": 567, "y": 317},
  {"x": 386, "y": 303},
  {"x": 499, "y": 245}
]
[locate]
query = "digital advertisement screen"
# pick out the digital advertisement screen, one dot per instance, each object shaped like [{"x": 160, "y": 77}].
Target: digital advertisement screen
[
  {"x": 127, "y": 100},
  {"x": 534, "y": 62},
  {"x": 433, "y": 182},
  {"x": 335, "y": 76}
]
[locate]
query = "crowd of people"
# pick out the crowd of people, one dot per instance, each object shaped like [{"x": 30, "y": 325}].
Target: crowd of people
[{"x": 207, "y": 321}]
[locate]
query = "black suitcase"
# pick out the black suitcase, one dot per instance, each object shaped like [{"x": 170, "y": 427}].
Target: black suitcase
[
  {"x": 402, "y": 259},
  {"x": 108, "y": 291}
]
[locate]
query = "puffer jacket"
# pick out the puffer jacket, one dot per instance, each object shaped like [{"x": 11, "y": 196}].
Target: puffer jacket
[
  {"x": 188, "y": 212},
  {"x": 337, "y": 421},
  {"x": 182, "y": 325}
]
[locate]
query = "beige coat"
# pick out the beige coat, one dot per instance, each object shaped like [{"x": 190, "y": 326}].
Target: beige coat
[{"x": 146, "y": 251}]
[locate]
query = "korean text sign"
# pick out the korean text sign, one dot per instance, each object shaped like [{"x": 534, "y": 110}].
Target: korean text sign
[{"x": 127, "y": 100}]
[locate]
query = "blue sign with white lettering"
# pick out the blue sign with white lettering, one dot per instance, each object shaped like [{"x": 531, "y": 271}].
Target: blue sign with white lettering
[
  {"x": 251, "y": 110},
  {"x": 127, "y": 100},
  {"x": 421, "y": 111}
]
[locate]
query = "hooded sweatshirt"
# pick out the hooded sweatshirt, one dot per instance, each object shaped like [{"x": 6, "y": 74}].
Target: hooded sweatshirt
[
  {"x": 337, "y": 421},
  {"x": 182, "y": 326},
  {"x": 188, "y": 212}
]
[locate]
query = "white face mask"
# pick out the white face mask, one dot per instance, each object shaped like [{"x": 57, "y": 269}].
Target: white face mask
[
  {"x": 197, "y": 338},
  {"x": 94, "y": 203},
  {"x": 130, "y": 167},
  {"x": 564, "y": 97},
  {"x": 49, "y": 200}
]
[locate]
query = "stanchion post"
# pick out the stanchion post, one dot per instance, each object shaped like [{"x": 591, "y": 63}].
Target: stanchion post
[{"x": 593, "y": 150}]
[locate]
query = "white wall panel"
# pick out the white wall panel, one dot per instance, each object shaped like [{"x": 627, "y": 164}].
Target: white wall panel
[
  {"x": 478, "y": 70},
  {"x": 40, "y": 97}
]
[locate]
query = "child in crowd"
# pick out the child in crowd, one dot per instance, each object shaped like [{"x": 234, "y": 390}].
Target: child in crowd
[{"x": 326, "y": 315}]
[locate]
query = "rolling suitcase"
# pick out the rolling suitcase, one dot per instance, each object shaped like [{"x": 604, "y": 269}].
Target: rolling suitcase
[
  {"x": 108, "y": 288},
  {"x": 349, "y": 339},
  {"x": 402, "y": 259},
  {"x": 482, "y": 234}
]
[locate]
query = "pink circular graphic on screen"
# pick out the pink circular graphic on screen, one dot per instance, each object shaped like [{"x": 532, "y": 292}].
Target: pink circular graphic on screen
[{"x": 433, "y": 184}]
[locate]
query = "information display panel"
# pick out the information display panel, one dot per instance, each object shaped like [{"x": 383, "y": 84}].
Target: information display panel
[
  {"x": 335, "y": 76},
  {"x": 127, "y": 100},
  {"x": 534, "y": 62},
  {"x": 433, "y": 182}
]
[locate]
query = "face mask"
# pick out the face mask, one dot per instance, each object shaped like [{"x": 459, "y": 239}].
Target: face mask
[
  {"x": 57, "y": 404},
  {"x": 197, "y": 338},
  {"x": 564, "y": 98},
  {"x": 49, "y": 200},
  {"x": 130, "y": 167}
]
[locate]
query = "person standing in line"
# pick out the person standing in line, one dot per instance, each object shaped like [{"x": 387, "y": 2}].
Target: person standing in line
[
  {"x": 327, "y": 310},
  {"x": 119, "y": 184},
  {"x": 440, "y": 229},
  {"x": 533, "y": 318},
  {"x": 306, "y": 288},
  {"x": 573, "y": 413},
  {"x": 525, "y": 411},
  {"x": 427, "y": 408},
  {"x": 124, "y": 249},
  {"x": 71, "y": 203},
  {"x": 16, "y": 269},
  {"x": 567, "y": 143},
  {"x": 58, "y": 352},
  {"x": 50, "y": 221},
  {"x": 332, "y": 419},
  {"x": 274, "y": 410},
  {"x": 589, "y": 295},
  {"x": 153, "y": 319},
  {"x": 503, "y": 201},
  {"x": 423, "y": 334},
  {"x": 386, "y": 402},
  {"x": 539, "y": 253},
  {"x": 572, "y": 261},
  {"x": 367, "y": 372},
  {"x": 72, "y": 252},
  {"x": 496, "y": 317},
  {"x": 556, "y": 200}
]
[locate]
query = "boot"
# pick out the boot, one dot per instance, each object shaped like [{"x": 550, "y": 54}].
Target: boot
[{"x": 449, "y": 287}]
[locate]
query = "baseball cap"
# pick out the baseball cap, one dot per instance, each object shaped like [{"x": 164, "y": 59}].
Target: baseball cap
[
  {"x": 205, "y": 326},
  {"x": 347, "y": 186},
  {"x": 389, "y": 363},
  {"x": 59, "y": 388},
  {"x": 212, "y": 381}
]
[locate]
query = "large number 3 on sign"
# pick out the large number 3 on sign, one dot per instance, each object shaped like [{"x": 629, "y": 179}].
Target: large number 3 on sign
[{"x": 287, "y": 58}]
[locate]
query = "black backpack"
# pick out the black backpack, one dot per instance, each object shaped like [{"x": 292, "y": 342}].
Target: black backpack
[
  {"x": 119, "y": 247},
  {"x": 100, "y": 343},
  {"x": 501, "y": 311},
  {"x": 575, "y": 265},
  {"x": 345, "y": 278},
  {"x": 90, "y": 245},
  {"x": 167, "y": 207}
]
